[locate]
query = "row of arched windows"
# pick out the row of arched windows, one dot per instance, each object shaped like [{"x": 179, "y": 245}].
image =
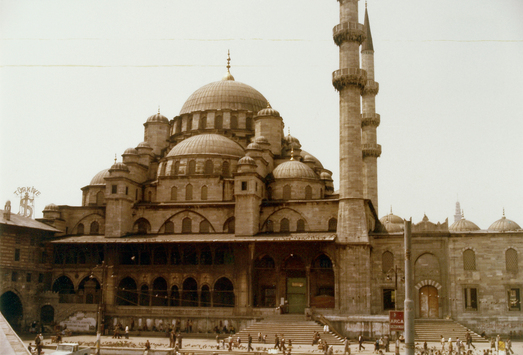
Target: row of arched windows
[
  {"x": 142, "y": 226},
  {"x": 188, "y": 295},
  {"x": 285, "y": 227},
  {"x": 203, "y": 123},
  {"x": 511, "y": 260},
  {"x": 208, "y": 168},
  {"x": 94, "y": 228},
  {"x": 189, "y": 195}
]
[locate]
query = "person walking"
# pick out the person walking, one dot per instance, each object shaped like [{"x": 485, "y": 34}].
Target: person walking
[
  {"x": 276, "y": 342},
  {"x": 346, "y": 349},
  {"x": 387, "y": 343},
  {"x": 458, "y": 346},
  {"x": 249, "y": 342},
  {"x": 450, "y": 346},
  {"x": 509, "y": 346},
  {"x": 377, "y": 346},
  {"x": 360, "y": 343},
  {"x": 442, "y": 340}
]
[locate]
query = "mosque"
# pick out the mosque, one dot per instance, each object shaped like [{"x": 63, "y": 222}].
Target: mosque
[{"x": 218, "y": 215}]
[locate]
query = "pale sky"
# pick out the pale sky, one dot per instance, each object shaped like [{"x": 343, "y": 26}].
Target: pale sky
[{"x": 79, "y": 78}]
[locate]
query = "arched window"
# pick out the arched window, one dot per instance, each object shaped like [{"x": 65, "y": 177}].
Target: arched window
[
  {"x": 264, "y": 263},
  {"x": 175, "y": 297},
  {"x": 387, "y": 262},
  {"x": 174, "y": 193},
  {"x": 511, "y": 260},
  {"x": 127, "y": 294},
  {"x": 226, "y": 169},
  {"x": 333, "y": 225},
  {"x": 287, "y": 192},
  {"x": 205, "y": 298},
  {"x": 192, "y": 167},
  {"x": 300, "y": 225},
  {"x": 202, "y": 124},
  {"x": 205, "y": 226},
  {"x": 308, "y": 192},
  {"x": 205, "y": 255},
  {"x": 248, "y": 123},
  {"x": 322, "y": 262},
  {"x": 186, "y": 225},
  {"x": 190, "y": 256},
  {"x": 234, "y": 122},
  {"x": 144, "y": 295},
  {"x": 223, "y": 293},
  {"x": 284, "y": 225},
  {"x": 178, "y": 127},
  {"x": 94, "y": 228},
  {"x": 190, "y": 293},
  {"x": 176, "y": 168},
  {"x": 469, "y": 260},
  {"x": 204, "y": 193},
  {"x": 209, "y": 167},
  {"x": 229, "y": 226},
  {"x": 188, "y": 192},
  {"x": 142, "y": 226},
  {"x": 100, "y": 198},
  {"x": 163, "y": 167},
  {"x": 80, "y": 229},
  {"x": 218, "y": 122},
  {"x": 65, "y": 288},
  {"x": 159, "y": 294},
  {"x": 270, "y": 226},
  {"x": 169, "y": 227}
]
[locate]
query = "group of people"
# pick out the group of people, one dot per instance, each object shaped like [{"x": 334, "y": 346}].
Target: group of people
[
  {"x": 282, "y": 344},
  {"x": 497, "y": 343},
  {"x": 39, "y": 345}
]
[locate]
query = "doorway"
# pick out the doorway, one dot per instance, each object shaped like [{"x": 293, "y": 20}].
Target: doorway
[
  {"x": 12, "y": 309},
  {"x": 428, "y": 302}
]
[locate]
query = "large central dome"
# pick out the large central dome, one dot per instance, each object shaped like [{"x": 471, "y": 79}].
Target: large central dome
[{"x": 226, "y": 94}]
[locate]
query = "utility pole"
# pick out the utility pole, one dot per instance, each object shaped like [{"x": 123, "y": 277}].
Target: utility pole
[
  {"x": 409, "y": 302},
  {"x": 100, "y": 307}
]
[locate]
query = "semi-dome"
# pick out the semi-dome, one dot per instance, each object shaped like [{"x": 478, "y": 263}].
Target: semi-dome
[
  {"x": 295, "y": 142},
  {"x": 214, "y": 144},
  {"x": 144, "y": 145},
  {"x": 309, "y": 157},
  {"x": 159, "y": 118},
  {"x": 246, "y": 160},
  {"x": 294, "y": 169},
  {"x": 463, "y": 225},
  {"x": 391, "y": 218},
  {"x": 129, "y": 151},
  {"x": 268, "y": 111},
  {"x": 254, "y": 145},
  {"x": 504, "y": 225},
  {"x": 226, "y": 94},
  {"x": 99, "y": 179},
  {"x": 261, "y": 140},
  {"x": 119, "y": 166},
  {"x": 51, "y": 207}
]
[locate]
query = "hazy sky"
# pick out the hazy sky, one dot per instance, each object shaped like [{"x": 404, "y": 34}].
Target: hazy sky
[{"x": 79, "y": 78}]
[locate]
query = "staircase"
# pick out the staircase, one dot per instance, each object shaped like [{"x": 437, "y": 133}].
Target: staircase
[
  {"x": 293, "y": 327},
  {"x": 432, "y": 330}
]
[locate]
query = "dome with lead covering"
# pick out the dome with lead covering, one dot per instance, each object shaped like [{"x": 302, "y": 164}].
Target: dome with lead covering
[
  {"x": 157, "y": 118},
  {"x": 99, "y": 179},
  {"x": 214, "y": 144},
  {"x": 504, "y": 225},
  {"x": 51, "y": 207},
  {"x": 294, "y": 169},
  {"x": 119, "y": 166},
  {"x": 463, "y": 225}
]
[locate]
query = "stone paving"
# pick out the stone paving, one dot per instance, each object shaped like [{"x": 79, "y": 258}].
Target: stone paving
[{"x": 205, "y": 345}]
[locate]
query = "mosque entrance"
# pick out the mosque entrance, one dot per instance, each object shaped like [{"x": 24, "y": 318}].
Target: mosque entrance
[
  {"x": 296, "y": 293},
  {"x": 12, "y": 309},
  {"x": 428, "y": 302}
]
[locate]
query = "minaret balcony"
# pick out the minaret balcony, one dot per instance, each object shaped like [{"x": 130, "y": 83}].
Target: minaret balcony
[
  {"x": 348, "y": 32},
  {"x": 345, "y": 77},
  {"x": 371, "y": 150},
  {"x": 370, "y": 119},
  {"x": 371, "y": 88}
]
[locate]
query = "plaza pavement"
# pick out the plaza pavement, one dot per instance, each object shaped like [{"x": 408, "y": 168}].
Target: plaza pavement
[{"x": 205, "y": 345}]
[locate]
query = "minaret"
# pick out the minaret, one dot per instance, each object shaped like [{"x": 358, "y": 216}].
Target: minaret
[
  {"x": 457, "y": 212},
  {"x": 353, "y": 292},
  {"x": 370, "y": 120},
  {"x": 350, "y": 80}
]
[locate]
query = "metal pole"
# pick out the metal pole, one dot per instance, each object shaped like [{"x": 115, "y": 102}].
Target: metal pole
[
  {"x": 409, "y": 302},
  {"x": 395, "y": 287},
  {"x": 100, "y": 305}
]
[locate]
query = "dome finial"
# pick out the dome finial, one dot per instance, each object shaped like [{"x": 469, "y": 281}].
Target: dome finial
[
  {"x": 503, "y": 212},
  {"x": 115, "y": 158},
  {"x": 292, "y": 152},
  {"x": 158, "y": 109},
  {"x": 228, "y": 61},
  {"x": 365, "y": 4}
]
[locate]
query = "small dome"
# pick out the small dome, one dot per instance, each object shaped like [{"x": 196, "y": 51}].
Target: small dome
[
  {"x": 393, "y": 227},
  {"x": 391, "y": 218},
  {"x": 268, "y": 111},
  {"x": 157, "y": 118},
  {"x": 261, "y": 140},
  {"x": 504, "y": 225},
  {"x": 99, "y": 179},
  {"x": 292, "y": 141},
  {"x": 294, "y": 169},
  {"x": 463, "y": 225},
  {"x": 225, "y": 94},
  {"x": 246, "y": 160},
  {"x": 207, "y": 144},
  {"x": 325, "y": 176},
  {"x": 309, "y": 156},
  {"x": 130, "y": 151},
  {"x": 254, "y": 146},
  {"x": 119, "y": 166},
  {"x": 51, "y": 207},
  {"x": 144, "y": 145}
]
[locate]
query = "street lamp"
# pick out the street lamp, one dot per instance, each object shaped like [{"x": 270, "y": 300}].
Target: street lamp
[{"x": 389, "y": 277}]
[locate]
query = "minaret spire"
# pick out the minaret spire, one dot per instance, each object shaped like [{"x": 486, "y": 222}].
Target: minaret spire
[{"x": 228, "y": 75}]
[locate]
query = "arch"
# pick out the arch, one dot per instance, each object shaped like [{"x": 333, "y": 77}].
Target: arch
[
  {"x": 174, "y": 193},
  {"x": 234, "y": 122},
  {"x": 190, "y": 293},
  {"x": 209, "y": 167},
  {"x": 205, "y": 296},
  {"x": 65, "y": 289},
  {"x": 218, "y": 122},
  {"x": 223, "y": 294},
  {"x": 187, "y": 225},
  {"x": 127, "y": 292},
  {"x": 188, "y": 192},
  {"x": 469, "y": 260},
  {"x": 277, "y": 215},
  {"x": 511, "y": 260},
  {"x": 80, "y": 229},
  {"x": 202, "y": 123},
  {"x": 269, "y": 226},
  {"x": 142, "y": 226},
  {"x": 308, "y": 192},
  {"x": 159, "y": 293},
  {"x": 293, "y": 262},
  {"x": 226, "y": 169},
  {"x": 229, "y": 225},
  {"x": 284, "y": 225},
  {"x": 426, "y": 266},
  {"x": 100, "y": 198},
  {"x": 322, "y": 261},
  {"x": 205, "y": 255},
  {"x": 387, "y": 261},
  {"x": 12, "y": 309},
  {"x": 169, "y": 227},
  {"x": 204, "y": 193},
  {"x": 287, "y": 192},
  {"x": 333, "y": 225},
  {"x": 94, "y": 228},
  {"x": 192, "y": 167},
  {"x": 264, "y": 281},
  {"x": 296, "y": 283},
  {"x": 89, "y": 290},
  {"x": 264, "y": 262},
  {"x": 47, "y": 314},
  {"x": 300, "y": 226},
  {"x": 174, "y": 300},
  {"x": 429, "y": 302},
  {"x": 322, "y": 282}
]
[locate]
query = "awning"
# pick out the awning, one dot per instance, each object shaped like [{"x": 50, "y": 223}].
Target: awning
[{"x": 198, "y": 238}]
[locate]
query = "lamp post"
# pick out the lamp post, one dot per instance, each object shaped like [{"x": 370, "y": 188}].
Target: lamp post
[
  {"x": 389, "y": 277},
  {"x": 100, "y": 308}
]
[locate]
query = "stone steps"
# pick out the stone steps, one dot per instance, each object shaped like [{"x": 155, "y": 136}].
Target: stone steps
[{"x": 431, "y": 330}]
